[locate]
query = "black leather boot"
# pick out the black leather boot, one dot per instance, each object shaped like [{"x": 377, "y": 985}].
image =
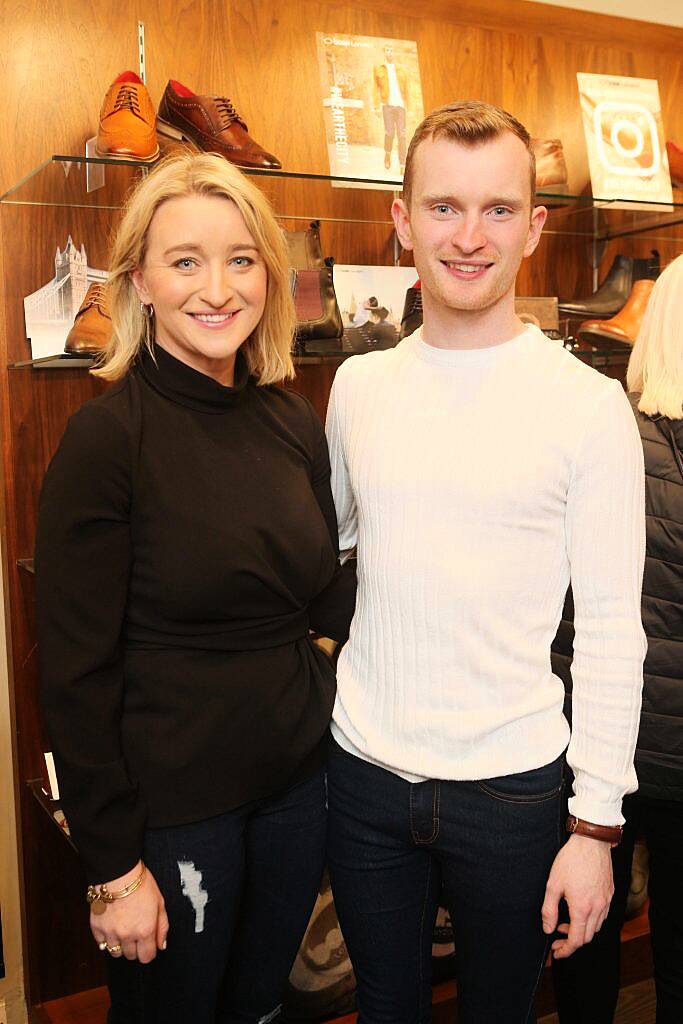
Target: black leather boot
[
  {"x": 412, "y": 311},
  {"x": 615, "y": 289}
]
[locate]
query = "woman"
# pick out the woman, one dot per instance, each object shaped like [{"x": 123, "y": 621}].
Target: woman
[
  {"x": 588, "y": 984},
  {"x": 187, "y": 543}
]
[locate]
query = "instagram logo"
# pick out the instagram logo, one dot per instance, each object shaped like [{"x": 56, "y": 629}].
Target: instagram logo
[{"x": 627, "y": 139}]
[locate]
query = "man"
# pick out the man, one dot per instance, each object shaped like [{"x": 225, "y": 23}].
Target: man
[
  {"x": 477, "y": 467},
  {"x": 390, "y": 88}
]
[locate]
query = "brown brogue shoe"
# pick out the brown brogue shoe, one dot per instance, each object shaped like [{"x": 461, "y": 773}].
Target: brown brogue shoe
[
  {"x": 91, "y": 331},
  {"x": 623, "y": 328},
  {"x": 127, "y": 130},
  {"x": 675, "y": 155},
  {"x": 213, "y": 124}
]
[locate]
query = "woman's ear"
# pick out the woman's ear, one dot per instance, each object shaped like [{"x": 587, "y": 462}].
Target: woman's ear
[{"x": 137, "y": 277}]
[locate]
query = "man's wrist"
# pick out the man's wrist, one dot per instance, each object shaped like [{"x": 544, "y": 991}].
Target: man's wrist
[{"x": 602, "y": 833}]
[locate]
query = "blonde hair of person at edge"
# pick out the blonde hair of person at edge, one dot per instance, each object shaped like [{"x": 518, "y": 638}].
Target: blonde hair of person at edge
[
  {"x": 186, "y": 547},
  {"x": 655, "y": 369}
]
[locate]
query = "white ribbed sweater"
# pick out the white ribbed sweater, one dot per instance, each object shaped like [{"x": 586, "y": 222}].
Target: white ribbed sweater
[{"x": 474, "y": 483}]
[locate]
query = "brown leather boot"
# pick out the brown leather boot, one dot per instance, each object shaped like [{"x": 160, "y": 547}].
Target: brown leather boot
[
  {"x": 551, "y": 167},
  {"x": 675, "y": 155},
  {"x": 91, "y": 329},
  {"x": 623, "y": 328}
]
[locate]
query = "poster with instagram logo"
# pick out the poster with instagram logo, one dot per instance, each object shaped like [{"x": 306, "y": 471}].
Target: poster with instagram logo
[{"x": 622, "y": 121}]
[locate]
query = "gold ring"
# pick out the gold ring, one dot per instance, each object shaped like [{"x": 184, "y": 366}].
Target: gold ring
[
  {"x": 114, "y": 949},
  {"x": 102, "y": 946}
]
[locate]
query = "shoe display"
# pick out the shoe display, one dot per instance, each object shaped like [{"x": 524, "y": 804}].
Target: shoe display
[
  {"x": 91, "y": 329},
  {"x": 623, "y": 328},
  {"x": 127, "y": 130},
  {"x": 551, "y": 167},
  {"x": 213, "y": 124},
  {"x": 412, "y": 311},
  {"x": 675, "y": 155},
  {"x": 615, "y": 289}
]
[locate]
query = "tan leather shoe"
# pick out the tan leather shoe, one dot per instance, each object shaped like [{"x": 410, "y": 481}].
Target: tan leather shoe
[
  {"x": 213, "y": 124},
  {"x": 675, "y": 155},
  {"x": 91, "y": 331},
  {"x": 551, "y": 167},
  {"x": 623, "y": 328},
  {"x": 127, "y": 130}
]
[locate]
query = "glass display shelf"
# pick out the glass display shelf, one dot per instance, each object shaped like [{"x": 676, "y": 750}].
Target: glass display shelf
[
  {"x": 100, "y": 183},
  {"x": 63, "y": 361}
]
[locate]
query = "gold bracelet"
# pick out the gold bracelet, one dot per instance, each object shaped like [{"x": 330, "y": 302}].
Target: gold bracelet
[{"x": 99, "y": 898}]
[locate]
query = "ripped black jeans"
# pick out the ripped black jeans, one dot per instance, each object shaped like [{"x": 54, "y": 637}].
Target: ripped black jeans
[{"x": 239, "y": 890}]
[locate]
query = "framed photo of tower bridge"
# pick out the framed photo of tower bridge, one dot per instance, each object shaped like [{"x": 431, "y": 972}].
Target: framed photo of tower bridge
[{"x": 372, "y": 103}]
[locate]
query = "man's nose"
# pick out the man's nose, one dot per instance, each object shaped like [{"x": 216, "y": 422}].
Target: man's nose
[{"x": 469, "y": 235}]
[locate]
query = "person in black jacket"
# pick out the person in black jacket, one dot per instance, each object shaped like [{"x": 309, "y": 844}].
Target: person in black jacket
[
  {"x": 587, "y": 985},
  {"x": 187, "y": 545}
]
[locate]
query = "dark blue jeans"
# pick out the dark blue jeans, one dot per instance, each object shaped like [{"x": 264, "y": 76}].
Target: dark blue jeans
[
  {"x": 239, "y": 890},
  {"x": 483, "y": 849}
]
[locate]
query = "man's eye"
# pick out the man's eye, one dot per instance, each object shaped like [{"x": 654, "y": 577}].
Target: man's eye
[
  {"x": 443, "y": 208},
  {"x": 500, "y": 211}
]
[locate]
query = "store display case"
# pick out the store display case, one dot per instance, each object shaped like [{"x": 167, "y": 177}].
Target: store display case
[{"x": 73, "y": 197}]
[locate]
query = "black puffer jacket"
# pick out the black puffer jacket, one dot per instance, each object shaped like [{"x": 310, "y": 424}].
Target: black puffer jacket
[{"x": 659, "y": 754}]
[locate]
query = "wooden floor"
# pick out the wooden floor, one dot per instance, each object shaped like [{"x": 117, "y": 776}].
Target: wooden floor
[{"x": 636, "y": 1006}]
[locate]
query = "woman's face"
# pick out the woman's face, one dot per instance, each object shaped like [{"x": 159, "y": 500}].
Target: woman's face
[{"x": 205, "y": 279}]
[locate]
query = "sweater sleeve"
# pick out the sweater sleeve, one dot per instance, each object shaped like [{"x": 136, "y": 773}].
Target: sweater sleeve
[
  {"x": 83, "y": 556},
  {"x": 342, "y": 492},
  {"x": 605, "y": 531},
  {"x": 332, "y": 610}
]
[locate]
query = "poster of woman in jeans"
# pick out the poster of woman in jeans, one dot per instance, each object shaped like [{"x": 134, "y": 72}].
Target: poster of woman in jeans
[{"x": 372, "y": 103}]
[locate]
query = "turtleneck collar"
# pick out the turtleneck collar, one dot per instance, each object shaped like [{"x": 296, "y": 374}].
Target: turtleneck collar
[{"x": 186, "y": 386}]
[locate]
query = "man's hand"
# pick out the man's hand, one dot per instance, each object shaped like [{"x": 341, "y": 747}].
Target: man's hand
[
  {"x": 136, "y": 924},
  {"x": 582, "y": 874}
]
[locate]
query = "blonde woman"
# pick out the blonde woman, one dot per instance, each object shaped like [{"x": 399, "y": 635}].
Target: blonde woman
[
  {"x": 588, "y": 984},
  {"x": 187, "y": 542}
]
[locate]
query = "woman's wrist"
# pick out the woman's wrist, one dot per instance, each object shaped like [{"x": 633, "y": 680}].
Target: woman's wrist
[{"x": 123, "y": 880}]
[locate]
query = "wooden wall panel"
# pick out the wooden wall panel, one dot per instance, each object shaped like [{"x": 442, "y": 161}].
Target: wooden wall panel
[{"x": 59, "y": 59}]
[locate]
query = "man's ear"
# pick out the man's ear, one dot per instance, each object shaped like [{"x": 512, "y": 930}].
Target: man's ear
[
  {"x": 137, "y": 277},
  {"x": 399, "y": 211},
  {"x": 538, "y": 219}
]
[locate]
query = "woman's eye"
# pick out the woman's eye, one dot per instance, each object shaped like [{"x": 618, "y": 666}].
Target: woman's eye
[
  {"x": 242, "y": 261},
  {"x": 186, "y": 263}
]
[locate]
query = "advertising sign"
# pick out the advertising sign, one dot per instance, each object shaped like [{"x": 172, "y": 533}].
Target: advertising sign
[
  {"x": 622, "y": 120},
  {"x": 372, "y": 103}
]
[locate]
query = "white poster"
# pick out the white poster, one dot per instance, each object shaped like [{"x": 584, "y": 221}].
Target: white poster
[
  {"x": 371, "y": 301},
  {"x": 372, "y": 103},
  {"x": 622, "y": 121},
  {"x": 49, "y": 312}
]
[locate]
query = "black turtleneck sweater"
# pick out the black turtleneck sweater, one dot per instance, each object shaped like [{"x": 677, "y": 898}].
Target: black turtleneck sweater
[{"x": 186, "y": 542}]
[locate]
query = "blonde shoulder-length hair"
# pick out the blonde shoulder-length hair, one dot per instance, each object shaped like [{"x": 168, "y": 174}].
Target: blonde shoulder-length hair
[
  {"x": 655, "y": 369},
  {"x": 268, "y": 348}
]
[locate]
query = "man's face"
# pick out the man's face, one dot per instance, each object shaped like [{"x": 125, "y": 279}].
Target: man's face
[
  {"x": 470, "y": 221},
  {"x": 388, "y": 54}
]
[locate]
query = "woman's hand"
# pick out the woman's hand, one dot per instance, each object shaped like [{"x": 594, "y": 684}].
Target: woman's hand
[{"x": 135, "y": 926}]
